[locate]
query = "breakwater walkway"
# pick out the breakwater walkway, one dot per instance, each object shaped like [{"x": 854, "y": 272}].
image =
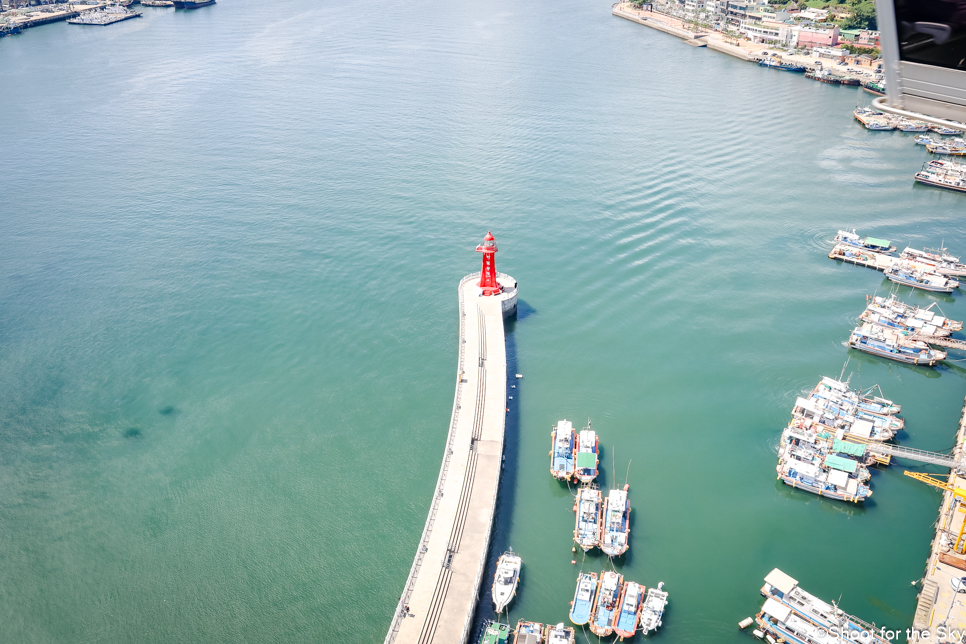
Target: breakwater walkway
[
  {"x": 440, "y": 595},
  {"x": 940, "y": 609}
]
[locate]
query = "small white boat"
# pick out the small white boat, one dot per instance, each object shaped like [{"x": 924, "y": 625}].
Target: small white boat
[
  {"x": 506, "y": 579},
  {"x": 560, "y": 634},
  {"x": 562, "y": 461},
  {"x": 653, "y": 609},
  {"x": 615, "y": 527}
]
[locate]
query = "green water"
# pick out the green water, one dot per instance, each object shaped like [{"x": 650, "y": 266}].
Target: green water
[{"x": 230, "y": 241}]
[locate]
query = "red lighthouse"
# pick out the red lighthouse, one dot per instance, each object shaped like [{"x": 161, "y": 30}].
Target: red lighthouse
[{"x": 488, "y": 275}]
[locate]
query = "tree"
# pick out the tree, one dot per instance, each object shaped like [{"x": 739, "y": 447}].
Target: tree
[{"x": 863, "y": 16}]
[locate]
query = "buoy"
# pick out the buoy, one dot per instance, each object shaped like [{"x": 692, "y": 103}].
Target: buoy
[
  {"x": 519, "y": 375},
  {"x": 626, "y": 487},
  {"x": 511, "y": 397},
  {"x": 745, "y": 623},
  {"x": 770, "y": 639},
  {"x": 573, "y": 561},
  {"x": 757, "y": 633}
]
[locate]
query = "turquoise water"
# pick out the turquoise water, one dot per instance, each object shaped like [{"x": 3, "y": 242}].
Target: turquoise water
[{"x": 231, "y": 240}]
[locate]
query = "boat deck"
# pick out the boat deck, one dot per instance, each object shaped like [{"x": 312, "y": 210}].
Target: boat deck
[{"x": 444, "y": 582}]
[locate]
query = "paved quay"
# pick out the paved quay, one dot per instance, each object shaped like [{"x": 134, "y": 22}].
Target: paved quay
[
  {"x": 941, "y": 610},
  {"x": 440, "y": 595}
]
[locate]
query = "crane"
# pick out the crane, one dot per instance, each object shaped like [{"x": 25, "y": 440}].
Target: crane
[{"x": 959, "y": 495}]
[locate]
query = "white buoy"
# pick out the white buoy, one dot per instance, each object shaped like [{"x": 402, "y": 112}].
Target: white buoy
[
  {"x": 770, "y": 639},
  {"x": 758, "y": 634},
  {"x": 519, "y": 375},
  {"x": 745, "y": 623}
]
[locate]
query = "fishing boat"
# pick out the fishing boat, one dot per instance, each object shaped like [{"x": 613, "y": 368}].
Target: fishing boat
[
  {"x": 584, "y": 596},
  {"x": 872, "y": 119},
  {"x": 823, "y": 76},
  {"x": 562, "y": 462},
  {"x": 925, "y": 139},
  {"x": 812, "y": 444},
  {"x": 935, "y": 259},
  {"x": 824, "y": 480},
  {"x": 948, "y": 166},
  {"x": 942, "y": 180},
  {"x": 587, "y": 505},
  {"x": 945, "y": 131},
  {"x": 849, "y": 80},
  {"x": 192, "y": 4},
  {"x": 908, "y": 275},
  {"x": 588, "y": 454},
  {"x": 560, "y": 634},
  {"x": 874, "y": 87},
  {"x": 907, "y": 125},
  {"x": 851, "y": 238},
  {"x": 891, "y": 313},
  {"x": 529, "y": 633},
  {"x": 862, "y": 399},
  {"x": 839, "y": 415},
  {"x": 653, "y": 609},
  {"x": 889, "y": 344},
  {"x": 947, "y": 148},
  {"x": 781, "y": 66},
  {"x": 632, "y": 596},
  {"x": 615, "y": 526},
  {"x": 783, "y": 589},
  {"x": 602, "y": 618},
  {"x": 495, "y": 633},
  {"x": 505, "y": 580}
]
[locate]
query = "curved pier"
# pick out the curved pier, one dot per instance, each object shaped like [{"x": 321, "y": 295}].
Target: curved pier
[{"x": 442, "y": 589}]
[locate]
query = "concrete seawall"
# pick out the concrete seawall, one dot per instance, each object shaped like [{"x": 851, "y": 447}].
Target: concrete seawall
[
  {"x": 440, "y": 595},
  {"x": 699, "y": 39},
  {"x": 939, "y": 607}
]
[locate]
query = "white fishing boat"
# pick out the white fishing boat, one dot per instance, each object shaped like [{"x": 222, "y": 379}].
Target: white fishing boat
[
  {"x": 560, "y": 634},
  {"x": 615, "y": 527},
  {"x": 893, "y": 345},
  {"x": 908, "y": 275},
  {"x": 913, "y": 320},
  {"x": 936, "y": 259},
  {"x": 652, "y": 611},
  {"x": 588, "y": 454},
  {"x": 506, "y": 580},
  {"x": 562, "y": 461},
  {"x": 529, "y": 633},
  {"x": 587, "y": 505},
  {"x": 852, "y": 238}
]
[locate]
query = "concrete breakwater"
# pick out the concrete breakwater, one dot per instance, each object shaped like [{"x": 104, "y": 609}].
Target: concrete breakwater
[
  {"x": 440, "y": 595},
  {"x": 940, "y": 609},
  {"x": 699, "y": 39}
]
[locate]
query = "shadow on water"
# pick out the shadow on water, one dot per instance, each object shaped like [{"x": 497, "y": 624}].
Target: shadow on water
[
  {"x": 499, "y": 540},
  {"x": 829, "y": 506}
]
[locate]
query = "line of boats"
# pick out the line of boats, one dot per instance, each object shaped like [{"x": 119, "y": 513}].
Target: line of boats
[
  {"x": 943, "y": 174},
  {"x": 874, "y": 119},
  {"x": 600, "y": 522},
  {"x": 527, "y": 633},
  {"x": 795, "y": 616},
  {"x": 612, "y": 605},
  {"x": 929, "y": 269},
  {"x": 107, "y": 15},
  {"x": 823, "y": 450}
]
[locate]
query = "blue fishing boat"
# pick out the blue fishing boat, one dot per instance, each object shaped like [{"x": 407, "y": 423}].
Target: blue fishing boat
[
  {"x": 894, "y": 346},
  {"x": 851, "y": 238},
  {"x": 903, "y": 273},
  {"x": 602, "y": 619},
  {"x": 584, "y": 596},
  {"x": 630, "y": 613},
  {"x": 588, "y": 454},
  {"x": 562, "y": 461},
  {"x": 771, "y": 63}
]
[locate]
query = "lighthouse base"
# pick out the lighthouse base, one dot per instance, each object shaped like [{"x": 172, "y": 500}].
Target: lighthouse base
[{"x": 507, "y": 297}]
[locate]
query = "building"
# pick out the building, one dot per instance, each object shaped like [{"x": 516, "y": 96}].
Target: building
[
  {"x": 738, "y": 11},
  {"x": 830, "y": 53},
  {"x": 925, "y": 60},
  {"x": 818, "y": 36},
  {"x": 769, "y": 32},
  {"x": 818, "y": 15}
]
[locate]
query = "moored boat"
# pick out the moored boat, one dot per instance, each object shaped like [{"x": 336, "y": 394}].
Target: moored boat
[
  {"x": 529, "y": 633},
  {"x": 652, "y": 611},
  {"x": 562, "y": 462},
  {"x": 908, "y": 275},
  {"x": 588, "y": 454},
  {"x": 781, "y": 65},
  {"x": 892, "y": 314},
  {"x": 605, "y": 607},
  {"x": 908, "y": 125},
  {"x": 587, "y": 505},
  {"x": 585, "y": 594},
  {"x": 632, "y": 597},
  {"x": 505, "y": 580},
  {"x": 888, "y": 344},
  {"x": 851, "y": 238},
  {"x": 945, "y": 131},
  {"x": 947, "y": 148},
  {"x": 495, "y": 633},
  {"x": 941, "y": 180},
  {"x": 874, "y": 87},
  {"x": 925, "y": 139},
  {"x": 560, "y": 634},
  {"x": 936, "y": 260},
  {"x": 823, "y": 481},
  {"x": 615, "y": 525}
]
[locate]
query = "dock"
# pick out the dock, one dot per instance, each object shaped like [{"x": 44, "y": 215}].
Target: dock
[
  {"x": 439, "y": 599},
  {"x": 862, "y": 257},
  {"x": 939, "y": 606}
]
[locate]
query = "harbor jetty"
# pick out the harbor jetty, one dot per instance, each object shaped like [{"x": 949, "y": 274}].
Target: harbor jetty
[
  {"x": 440, "y": 595},
  {"x": 940, "y": 607}
]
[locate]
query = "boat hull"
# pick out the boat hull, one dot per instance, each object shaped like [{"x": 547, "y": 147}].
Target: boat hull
[
  {"x": 937, "y": 184},
  {"x": 923, "y": 287},
  {"x": 898, "y": 357},
  {"x": 838, "y": 496}
]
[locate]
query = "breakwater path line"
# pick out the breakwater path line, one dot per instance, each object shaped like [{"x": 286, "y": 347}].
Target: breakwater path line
[{"x": 440, "y": 595}]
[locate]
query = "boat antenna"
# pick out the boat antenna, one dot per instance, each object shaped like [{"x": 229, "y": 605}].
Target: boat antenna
[{"x": 628, "y": 472}]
